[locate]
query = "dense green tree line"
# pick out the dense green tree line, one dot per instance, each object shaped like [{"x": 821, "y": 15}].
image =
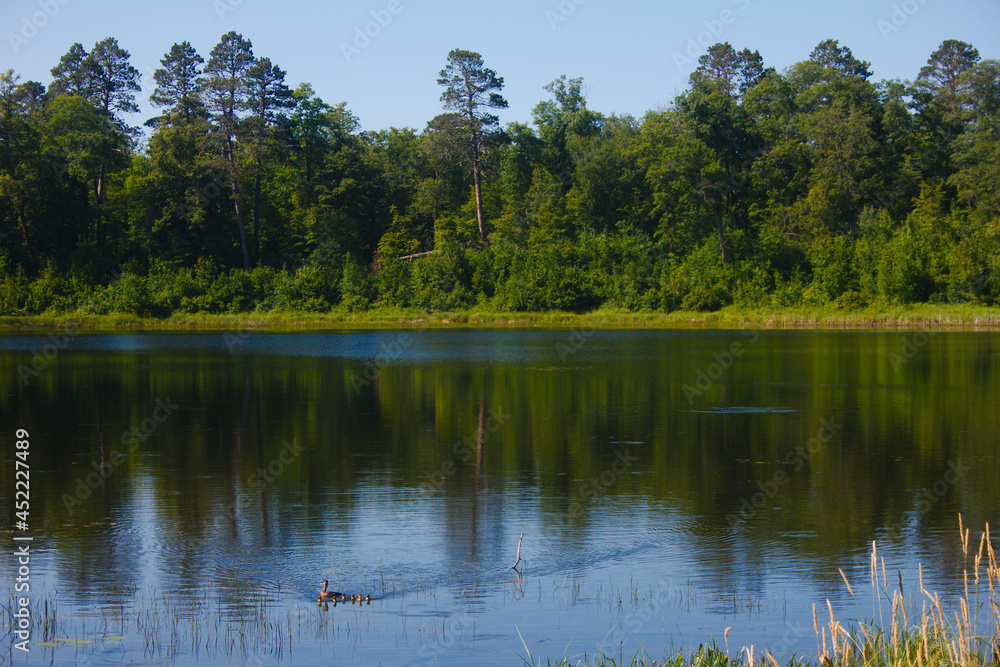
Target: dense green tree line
[{"x": 810, "y": 186}]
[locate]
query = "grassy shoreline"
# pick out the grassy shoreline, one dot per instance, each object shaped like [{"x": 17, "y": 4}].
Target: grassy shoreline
[{"x": 951, "y": 317}]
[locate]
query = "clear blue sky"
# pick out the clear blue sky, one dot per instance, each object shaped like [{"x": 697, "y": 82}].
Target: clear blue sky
[{"x": 627, "y": 52}]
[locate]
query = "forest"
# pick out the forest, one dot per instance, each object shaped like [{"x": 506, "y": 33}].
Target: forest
[{"x": 814, "y": 186}]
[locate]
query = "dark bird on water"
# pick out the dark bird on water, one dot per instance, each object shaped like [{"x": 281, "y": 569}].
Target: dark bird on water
[{"x": 327, "y": 595}]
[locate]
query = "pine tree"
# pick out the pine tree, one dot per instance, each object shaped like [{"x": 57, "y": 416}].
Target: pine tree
[
  {"x": 227, "y": 98},
  {"x": 470, "y": 89},
  {"x": 179, "y": 83}
]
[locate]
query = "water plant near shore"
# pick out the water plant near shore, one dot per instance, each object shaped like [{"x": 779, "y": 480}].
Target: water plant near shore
[
  {"x": 965, "y": 634},
  {"x": 962, "y": 630}
]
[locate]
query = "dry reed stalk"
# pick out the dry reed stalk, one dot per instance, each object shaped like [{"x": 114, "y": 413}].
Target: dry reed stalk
[
  {"x": 893, "y": 627},
  {"x": 866, "y": 645},
  {"x": 995, "y": 576},
  {"x": 874, "y": 564},
  {"x": 937, "y": 602},
  {"x": 952, "y": 653},
  {"x": 846, "y": 582},
  {"x": 961, "y": 642},
  {"x": 923, "y": 633},
  {"x": 996, "y": 622},
  {"x": 902, "y": 599},
  {"x": 979, "y": 555}
]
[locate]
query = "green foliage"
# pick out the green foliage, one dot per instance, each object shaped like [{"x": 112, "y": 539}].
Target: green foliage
[
  {"x": 549, "y": 277},
  {"x": 832, "y": 261},
  {"x": 621, "y": 269},
  {"x": 128, "y": 295},
  {"x": 237, "y": 291},
  {"x": 312, "y": 288},
  {"x": 394, "y": 284},
  {"x": 698, "y": 282},
  {"x": 52, "y": 293},
  {"x": 356, "y": 286},
  {"x": 443, "y": 279},
  {"x": 811, "y": 187},
  {"x": 14, "y": 289}
]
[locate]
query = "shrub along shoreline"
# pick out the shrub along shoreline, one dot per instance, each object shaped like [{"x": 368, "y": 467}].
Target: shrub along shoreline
[{"x": 922, "y": 316}]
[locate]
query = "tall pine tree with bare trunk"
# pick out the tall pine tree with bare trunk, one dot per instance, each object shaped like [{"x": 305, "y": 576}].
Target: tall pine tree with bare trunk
[
  {"x": 227, "y": 98},
  {"x": 471, "y": 89},
  {"x": 268, "y": 100},
  {"x": 106, "y": 79}
]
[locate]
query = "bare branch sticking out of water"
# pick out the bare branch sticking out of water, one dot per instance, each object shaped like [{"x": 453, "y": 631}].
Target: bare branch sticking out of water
[{"x": 514, "y": 566}]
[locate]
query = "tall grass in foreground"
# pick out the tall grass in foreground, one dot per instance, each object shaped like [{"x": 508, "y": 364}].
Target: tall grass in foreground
[
  {"x": 895, "y": 637},
  {"x": 932, "y": 637}
]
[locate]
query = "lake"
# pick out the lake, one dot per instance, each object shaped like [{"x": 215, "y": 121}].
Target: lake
[{"x": 189, "y": 491}]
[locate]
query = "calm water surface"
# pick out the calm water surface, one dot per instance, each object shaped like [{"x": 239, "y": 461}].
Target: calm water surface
[{"x": 668, "y": 485}]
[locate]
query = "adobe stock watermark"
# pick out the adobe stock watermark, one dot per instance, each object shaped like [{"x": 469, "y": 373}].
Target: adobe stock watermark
[
  {"x": 899, "y": 17},
  {"x": 206, "y": 193},
  {"x": 706, "y": 377},
  {"x": 223, "y": 7},
  {"x": 42, "y": 357},
  {"x": 798, "y": 458},
  {"x": 909, "y": 348},
  {"x": 577, "y": 339},
  {"x": 698, "y": 43},
  {"x": 464, "y": 449},
  {"x": 85, "y": 486},
  {"x": 929, "y": 496},
  {"x": 48, "y": 9},
  {"x": 738, "y": 178},
  {"x": 236, "y": 339},
  {"x": 633, "y": 621},
  {"x": 599, "y": 485},
  {"x": 453, "y": 628},
  {"x": 61, "y": 167},
  {"x": 388, "y": 354},
  {"x": 789, "y": 642},
  {"x": 267, "y": 475},
  {"x": 562, "y": 13},
  {"x": 363, "y": 36}
]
